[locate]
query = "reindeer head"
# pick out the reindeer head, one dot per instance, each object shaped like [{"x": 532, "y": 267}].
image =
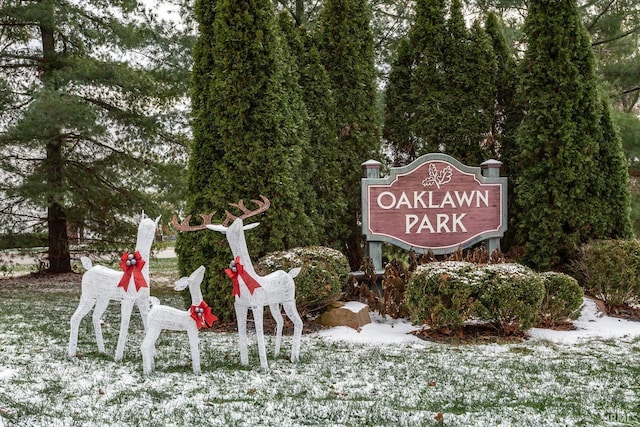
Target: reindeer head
[
  {"x": 146, "y": 231},
  {"x": 195, "y": 278}
]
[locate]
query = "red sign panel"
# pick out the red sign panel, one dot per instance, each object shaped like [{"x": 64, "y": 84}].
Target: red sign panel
[{"x": 434, "y": 203}]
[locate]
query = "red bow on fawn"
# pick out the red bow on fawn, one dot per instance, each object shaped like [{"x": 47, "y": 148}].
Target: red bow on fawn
[
  {"x": 202, "y": 315},
  {"x": 236, "y": 270},
  {"x": 132, "y": 264}
]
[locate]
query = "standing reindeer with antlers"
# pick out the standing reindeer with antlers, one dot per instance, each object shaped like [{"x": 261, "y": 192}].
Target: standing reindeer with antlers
[{"x": 252, "y": 291}]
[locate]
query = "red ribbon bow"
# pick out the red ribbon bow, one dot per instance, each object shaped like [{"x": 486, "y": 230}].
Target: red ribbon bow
[
  {"x": 251, "y": 283},
  {"x": 202, "y": 315},
  {"x": 132, "y": 264}
]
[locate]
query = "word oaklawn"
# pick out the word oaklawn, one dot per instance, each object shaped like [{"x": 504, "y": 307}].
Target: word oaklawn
[
  {"x": 420, "y": 200},
  {"x": 434, "y": 203}
]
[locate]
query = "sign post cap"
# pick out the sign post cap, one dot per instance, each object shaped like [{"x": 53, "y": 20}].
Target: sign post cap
[
  {"x": 491, "y": 163},
  {"x": 371, "y": 164}
]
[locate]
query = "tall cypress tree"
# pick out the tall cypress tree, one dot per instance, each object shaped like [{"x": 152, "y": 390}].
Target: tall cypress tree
[
  {"x": 348, "y": 56},
  {"x": 507, "y": 112},
  {"x": 324, "y": 160},
  {"x": 613, "y": 193},
  {"x": 470, "y": 90},
  {"x": 429, "y": 83},
  {"x": 400, "y": 103},
  {"x": 441, "y": 91},
  {"x": 249, "y": 139},
  {"x": 556, "y": 172}
]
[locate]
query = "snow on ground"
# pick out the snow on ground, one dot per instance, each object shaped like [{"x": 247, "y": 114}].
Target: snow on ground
[{"x": 590, "y": 325}]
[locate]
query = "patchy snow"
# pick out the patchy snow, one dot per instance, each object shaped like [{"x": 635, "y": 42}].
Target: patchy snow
[
  {"x": 590, "y": 325},
  {"x": 381, "y": 375},
  {"x": 384, "y": 330},
  {"x": 381, "y": 330}
]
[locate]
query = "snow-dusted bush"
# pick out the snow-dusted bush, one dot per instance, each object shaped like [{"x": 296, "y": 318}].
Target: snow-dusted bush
[
  {"x": 445, "y": 295},
  {"x": 324, "y": 272},
  {"x": 442, "y": 294},
  {"x": 610, "y": 270},
  {"x": 510, "y": 296},
  {"x": 562, "y": 299}
]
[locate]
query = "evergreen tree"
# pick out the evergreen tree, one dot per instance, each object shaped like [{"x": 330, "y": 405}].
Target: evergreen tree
[
  {"x": 507, "y": 112},
  {"x": 441, "y": 92},
  {"x": 324, "y": 160},
  {"x": 400, "y": 106},
  {"x": 348, "y": 56},
  {"x": 614, "y": 193},
  {"x": 88, "y": 139},
  {"x": 250, "y": 139},
  {"x": 556, "y": 172},
  {"x": 471, "y": 66},
  {"x": 429, "y": 83}
]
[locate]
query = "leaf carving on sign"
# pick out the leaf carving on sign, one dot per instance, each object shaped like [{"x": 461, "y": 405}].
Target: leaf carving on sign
[{"x": 437, "y": 178}]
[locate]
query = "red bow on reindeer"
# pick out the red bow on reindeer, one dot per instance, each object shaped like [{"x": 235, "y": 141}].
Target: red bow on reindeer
[
  {"x": 236, "y": 270},
  {"x": 132, "y": 264},
  {"x": 202, "y": 315}
]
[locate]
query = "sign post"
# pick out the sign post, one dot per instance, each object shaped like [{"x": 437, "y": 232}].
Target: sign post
[{"x": 433, "y": 204}]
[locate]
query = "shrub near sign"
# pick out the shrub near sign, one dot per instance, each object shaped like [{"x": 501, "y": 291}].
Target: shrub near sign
[{"x": 434, "y": 203}]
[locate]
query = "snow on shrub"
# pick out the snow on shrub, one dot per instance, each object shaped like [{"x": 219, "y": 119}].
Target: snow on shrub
[
  {"x": 324, "y": 272},
  {"x": 441, "y": 294},
  {"x": 445, "y": 295},
  {"x": 510, "y": 296}
]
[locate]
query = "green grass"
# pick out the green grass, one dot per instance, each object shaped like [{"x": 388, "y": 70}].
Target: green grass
[{"x": 533, "y": 383}]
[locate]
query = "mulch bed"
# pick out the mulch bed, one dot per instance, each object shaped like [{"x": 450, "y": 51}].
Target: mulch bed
[{"x": 469, "y": 334}]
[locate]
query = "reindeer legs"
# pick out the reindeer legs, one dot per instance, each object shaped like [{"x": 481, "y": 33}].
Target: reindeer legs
[
  {"x": 126, "y": 306},
  {"x": 98, "y": 311},
  {"x": 241, "y": 315},
  {"x": 292, "y": 313},
  {"x": 85, "y": 306},
  {"x": 277, "y": 315},
  {"x": 258, "y": 317}
]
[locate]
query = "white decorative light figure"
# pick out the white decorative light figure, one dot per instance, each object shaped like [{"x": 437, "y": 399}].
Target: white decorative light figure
[
  {"x": 163, "y": 317},
  {"x": 253, "y": 291},
  {"x": 101, "y": 284}
]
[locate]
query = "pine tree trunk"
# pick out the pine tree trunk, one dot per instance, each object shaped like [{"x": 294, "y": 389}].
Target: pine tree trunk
[
  {"x": 59, "y": 256},
  {"x": 58, "y": 240}
]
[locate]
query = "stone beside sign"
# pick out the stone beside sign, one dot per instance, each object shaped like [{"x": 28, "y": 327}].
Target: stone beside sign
[{"x": 352, "y": 314}]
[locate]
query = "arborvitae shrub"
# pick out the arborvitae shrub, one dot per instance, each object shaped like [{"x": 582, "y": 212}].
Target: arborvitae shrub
[
  {"x": 442, "y": 294},
  {"x": 445, "y": 295},
  {"x": 510, "y": 296},
  {"x": 562, "y": 299},
  {"x": 610, "y": 270},
  {"x": 324, "y": 272}
]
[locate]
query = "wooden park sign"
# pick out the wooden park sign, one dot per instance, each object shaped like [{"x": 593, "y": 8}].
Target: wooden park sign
[{"x": 435, "y": 203}]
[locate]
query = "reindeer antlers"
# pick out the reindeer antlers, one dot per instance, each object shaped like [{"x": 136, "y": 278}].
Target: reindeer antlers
[
  {"x": 263, "y": 205},
  {"x": 184, "y": 226}
]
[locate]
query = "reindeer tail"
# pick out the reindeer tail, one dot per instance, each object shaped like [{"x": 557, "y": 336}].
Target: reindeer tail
[
  {"x": 86, "y": 262},
  {"x": 294, "y": 272}
]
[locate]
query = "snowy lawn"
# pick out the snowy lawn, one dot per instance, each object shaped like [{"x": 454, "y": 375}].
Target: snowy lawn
[{"x": 381, "y": 376}]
